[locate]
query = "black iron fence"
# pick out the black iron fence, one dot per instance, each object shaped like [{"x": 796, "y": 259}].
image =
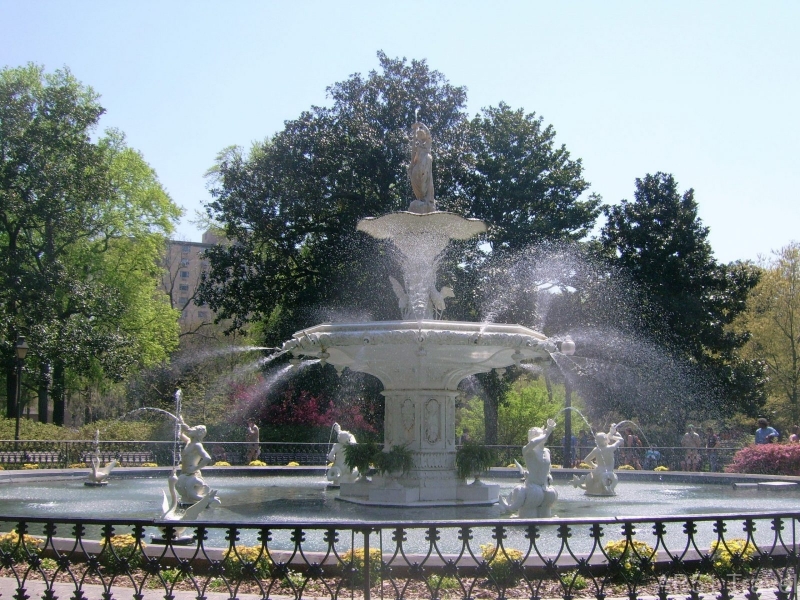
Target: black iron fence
[
  {"x": 744, "y": 555},
  {"x": 63, "y": 453}
]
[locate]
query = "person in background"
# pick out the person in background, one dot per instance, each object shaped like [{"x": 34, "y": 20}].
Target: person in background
[
  {"x": 464, "y": 436},
  {"x": 692, "y": 442},
  {"x": 765, "y": 434},
  {"x": 585, "y": 444},
  {"x": 795, "y": 437},
  {"x": 712, "y": 441}
]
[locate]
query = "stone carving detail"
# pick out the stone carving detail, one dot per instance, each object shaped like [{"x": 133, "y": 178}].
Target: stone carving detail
[
  {"x": 434, "y": 460},
  {"x": 433, "y": 421},
  {"x": 408, "y": 417}
]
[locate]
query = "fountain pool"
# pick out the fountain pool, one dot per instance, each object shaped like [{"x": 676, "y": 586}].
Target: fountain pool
[
  {"x": 307, "y": 499},
  {"x": 281, "y": 500}
]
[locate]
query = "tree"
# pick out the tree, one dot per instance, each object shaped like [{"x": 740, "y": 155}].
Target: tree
[
  {"x": 81, "y": 226},
  {"x": 692, "y": 299},
  {"x": 292, "y": 203},
  {"x": 773, "y": 318}
]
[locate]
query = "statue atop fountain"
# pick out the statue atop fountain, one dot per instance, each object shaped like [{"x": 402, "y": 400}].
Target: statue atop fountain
[
  {"x": 420, "y": 170},
  {"x": 601, "y": 480},
  {"x": 536, "y": 496},
  {"x": 190, "y": 485},
  {"x": 340, "y": 472}
]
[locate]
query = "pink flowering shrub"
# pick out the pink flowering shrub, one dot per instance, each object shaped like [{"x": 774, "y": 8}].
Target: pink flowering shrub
[{"x": 767, "y": 459}]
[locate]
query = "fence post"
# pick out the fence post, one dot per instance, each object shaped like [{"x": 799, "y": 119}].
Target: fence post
[{"x": 367, "y": 574}]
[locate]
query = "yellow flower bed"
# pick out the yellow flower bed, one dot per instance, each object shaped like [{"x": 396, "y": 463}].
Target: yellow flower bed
[
  {"x": 76, "y": 466},
  {"x": 10, "y": 544},
  {"x": 257, "y": 463},
  {"x": 221, "y": 463},
  {"x": 625, "y": 468},
  {"x": 149, "y": 464},
  {"x": 635, "y": 557},
  {"x": 504, "y": 564},
  {"x": 661, "y": 469},
  {"x": 125, "y": 547},
  {"x": 30, "y": 466},
  {"x": 293, "y": 464},
  {"x": 584, "y": 465},
  {"x": 732, "y": 556},
  {"x": 246, "y": 560},
  {"x": 354, "y": 559}
]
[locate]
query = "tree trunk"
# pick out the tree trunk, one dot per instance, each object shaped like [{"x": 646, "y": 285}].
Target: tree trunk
[
  {"x": 59, "y": 394},
  {"x": 44, "y": 390}
]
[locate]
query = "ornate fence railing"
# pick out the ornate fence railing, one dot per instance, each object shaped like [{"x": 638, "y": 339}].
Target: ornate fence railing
[
  {"x": 62, "y": 453},
  {"x": 720, "y": 556}
]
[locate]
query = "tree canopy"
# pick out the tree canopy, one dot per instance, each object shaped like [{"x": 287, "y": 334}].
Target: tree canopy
[
  {"x": 82, "y": 226},
  {"x": 292, "y": 202},
  {"x": 692, "y": 299}
]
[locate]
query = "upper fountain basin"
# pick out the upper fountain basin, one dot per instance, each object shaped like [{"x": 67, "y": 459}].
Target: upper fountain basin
[
  {"x": 424, "y": 354},
  {"x": 409, "y": 230}
]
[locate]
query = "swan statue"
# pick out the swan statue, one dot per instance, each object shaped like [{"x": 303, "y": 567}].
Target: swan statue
[
  {"x": 99, "y": 475},
  {"x": 170, "y": 507}
]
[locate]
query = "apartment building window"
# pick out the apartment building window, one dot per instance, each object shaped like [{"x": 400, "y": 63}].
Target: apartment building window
[
  {"x": 185, "y": 249},
  {"x": 184, "y": 262},
  {"x": 185, "y": 274},
  {"x": 184, "y": 287},
  {"x": 202, "y": 314}
]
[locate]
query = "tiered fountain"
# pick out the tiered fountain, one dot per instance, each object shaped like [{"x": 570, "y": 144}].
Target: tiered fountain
[{"x": 420, "y": 359}]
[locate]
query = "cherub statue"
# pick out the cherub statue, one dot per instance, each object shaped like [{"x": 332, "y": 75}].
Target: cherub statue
[
  {"x": 340, "y": 472},
  {"x": 601, "y": 480},
  {"x": 190, "y": 484},
  {"x": 536, "y": 496}
]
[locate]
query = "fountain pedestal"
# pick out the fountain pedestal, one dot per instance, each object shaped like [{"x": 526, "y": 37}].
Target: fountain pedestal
[{"x": 420, "y": 364}]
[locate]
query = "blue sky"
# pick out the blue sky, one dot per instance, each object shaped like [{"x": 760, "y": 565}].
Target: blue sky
[{"x": 707, "y": 91}]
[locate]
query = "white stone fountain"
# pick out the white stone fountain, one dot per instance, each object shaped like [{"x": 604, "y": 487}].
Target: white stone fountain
[{"x": 421, "y": 359}]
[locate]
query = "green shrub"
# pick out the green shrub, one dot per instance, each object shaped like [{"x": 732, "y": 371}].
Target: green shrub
[
  {"x": 472, "y": 459},
  {"x": 398, "y": 459},
  {"x": 246, "y": 561},
  {"x": 505, "y": 565},
  {"x": 360, "y": 456},
  {"x": 126, "y": 550}
]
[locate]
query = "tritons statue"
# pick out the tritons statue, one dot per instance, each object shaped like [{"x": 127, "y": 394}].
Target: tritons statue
[
  {"x": 536, "y": 496},
  {"x": 601, "y": 480}
]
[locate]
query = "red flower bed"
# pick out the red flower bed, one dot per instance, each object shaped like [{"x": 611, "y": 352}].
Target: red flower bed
[{"x": 767, "y": 459}]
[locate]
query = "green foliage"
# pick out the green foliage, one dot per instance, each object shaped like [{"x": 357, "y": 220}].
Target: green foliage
[
  {"x": 505, "y": 564},
  {"x": 360, "y": 456},
  {"x": 472, "y": 459},
  {"x": 692, "y": 299},
  {"x": 398, "y": 459},
  {"x": 121, "y": 553},
  {"x": 773, "y": 310},
  {"x": 732, "y": 556},
  {"x": 82, "y": 225},
  {"x": 524, "y": 405},
  {"x": 246, "y": 562},
  {"x": 19, "y": 548},
  {"x": 632, "y": 559},
  {"x": 767, "y": 459},
  {"x": 353, "y": 565}
]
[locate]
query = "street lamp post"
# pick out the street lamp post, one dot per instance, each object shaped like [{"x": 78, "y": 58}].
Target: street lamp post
[
  {"x": 21, "y": 348},
  {"x": 567, "y": 348}
]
